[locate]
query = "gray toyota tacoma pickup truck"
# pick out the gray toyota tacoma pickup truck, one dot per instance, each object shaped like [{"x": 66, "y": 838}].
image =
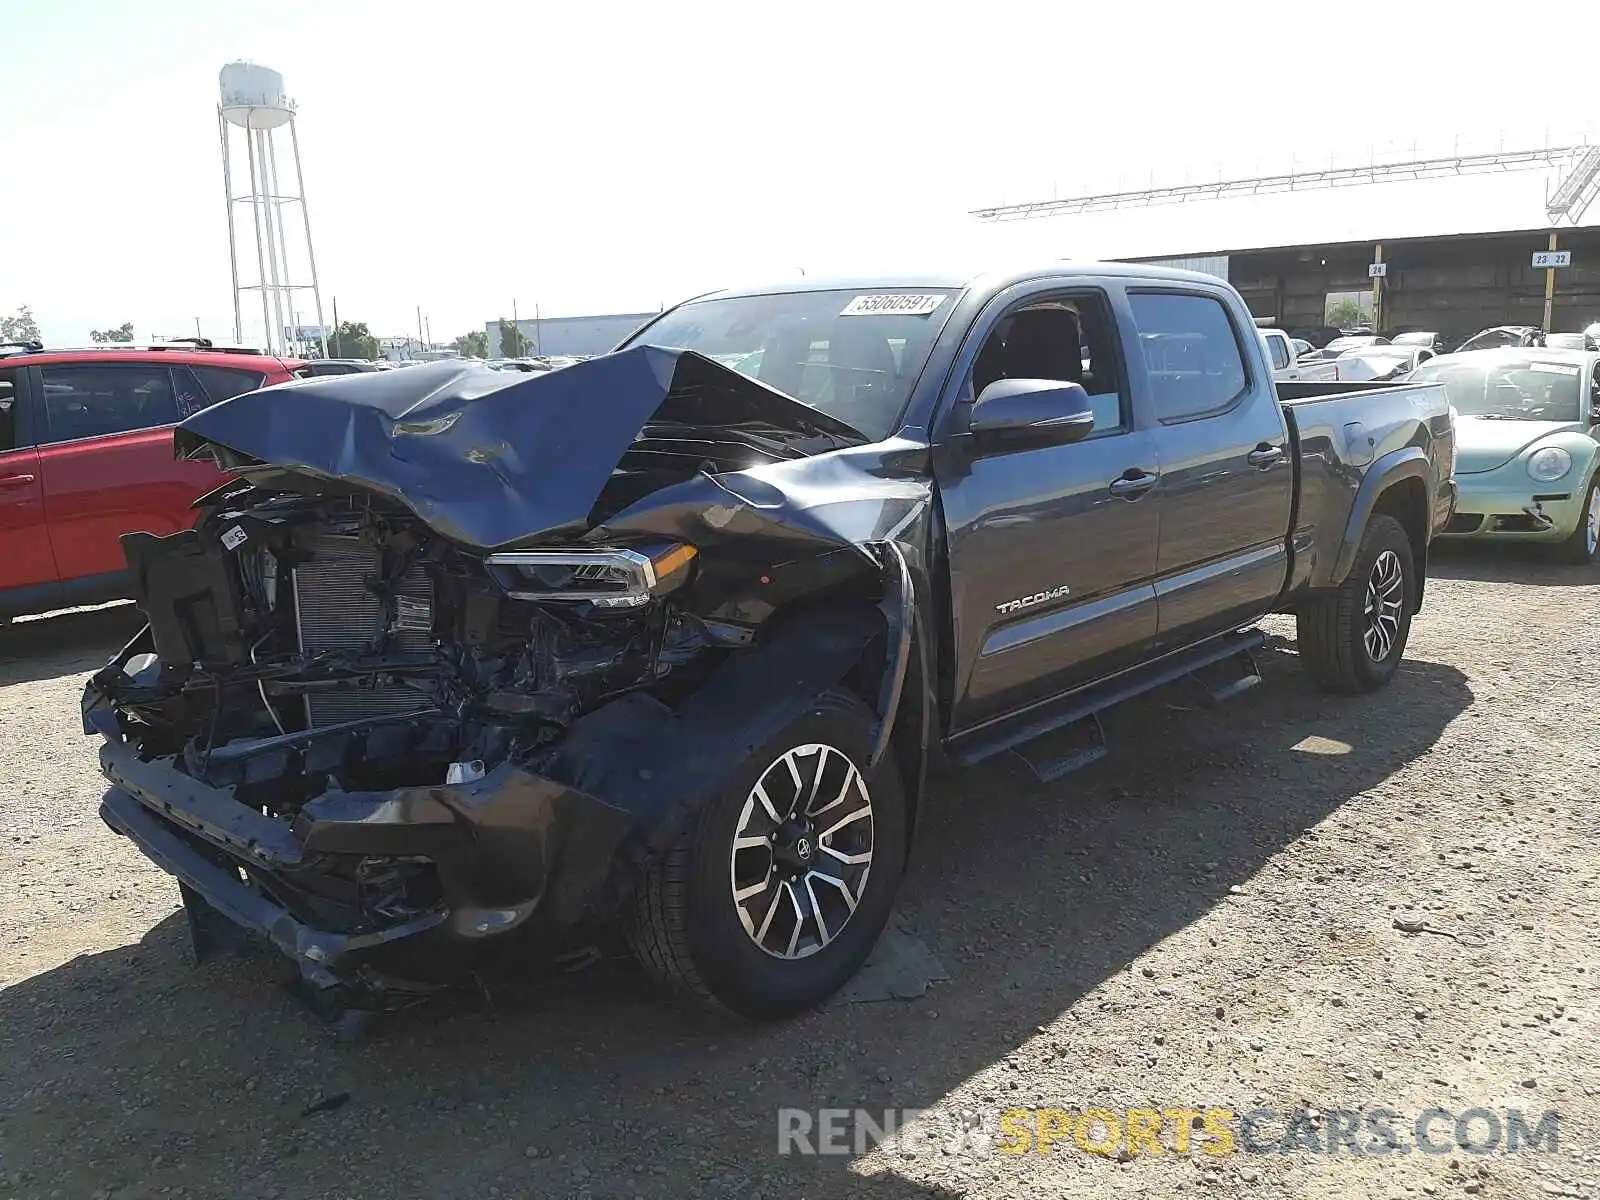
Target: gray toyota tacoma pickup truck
[{"x": 671, "y": 639}]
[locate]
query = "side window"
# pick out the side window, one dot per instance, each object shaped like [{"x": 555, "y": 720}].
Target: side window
[
  {"x": 187, "y": 394},
  {"x": 93, "y": 400},
  {"x": 8, "y": 411},
  {"x": 224, "y": 383},
  {"x": 1191, "y": 353},
  {"x": 1071, "y": 338},
  {"x": 1280, "y": 352}
]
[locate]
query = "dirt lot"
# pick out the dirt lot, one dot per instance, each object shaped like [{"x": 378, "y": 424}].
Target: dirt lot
[{"x": 1207, "y": 918}]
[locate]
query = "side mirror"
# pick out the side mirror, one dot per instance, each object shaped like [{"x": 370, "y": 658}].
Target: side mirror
[{"x": 1031, "y": 412}]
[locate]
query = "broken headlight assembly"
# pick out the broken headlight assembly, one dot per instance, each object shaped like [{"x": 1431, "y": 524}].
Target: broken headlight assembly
[{"x": 605, "y": 578}]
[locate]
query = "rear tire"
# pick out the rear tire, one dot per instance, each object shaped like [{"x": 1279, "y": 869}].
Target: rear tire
[
  {"x": 1582, "y": 547},
  {"x": 689, "y": 928},
  {"x": 1351, "y": 639}
]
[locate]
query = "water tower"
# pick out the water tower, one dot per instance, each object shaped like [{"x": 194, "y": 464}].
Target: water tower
[{"x": 251, "y": 119}]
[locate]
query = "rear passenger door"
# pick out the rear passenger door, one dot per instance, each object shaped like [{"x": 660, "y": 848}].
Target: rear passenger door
[
  {"x": 106, "y": 460},
  {"x": 1227, "y": 476},
  {"x": 25, "y": 559}
]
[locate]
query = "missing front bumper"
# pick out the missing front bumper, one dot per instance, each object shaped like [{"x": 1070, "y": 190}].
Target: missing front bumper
[{"x": 512, "y": 851}]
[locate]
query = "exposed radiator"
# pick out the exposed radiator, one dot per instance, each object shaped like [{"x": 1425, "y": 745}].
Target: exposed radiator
[{"x": 336, "y": 610}]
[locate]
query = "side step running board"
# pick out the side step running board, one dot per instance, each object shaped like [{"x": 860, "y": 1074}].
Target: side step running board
[
  {"x": 1063, "y": 734},
  {"x": 1226, "y": 679},
  {"x": 1065, "y": 750}
]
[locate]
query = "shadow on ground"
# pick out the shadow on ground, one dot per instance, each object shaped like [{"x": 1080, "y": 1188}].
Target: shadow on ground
[
  {"x": 1499, "y": 562},
  {"x": 132, "y": 1071},
  {"x": 64, "y": 643}
]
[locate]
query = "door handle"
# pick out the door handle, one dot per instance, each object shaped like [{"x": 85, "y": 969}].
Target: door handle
[
  {"x": 14, "y": 481},
  {"x": 1265, "y": 456},
  {"x": 1133, "y": 483}
]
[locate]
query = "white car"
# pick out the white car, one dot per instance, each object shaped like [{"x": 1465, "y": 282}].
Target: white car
[
  {"x": 1379, "y": 362},
  {"x": 1285, "y": 355}
]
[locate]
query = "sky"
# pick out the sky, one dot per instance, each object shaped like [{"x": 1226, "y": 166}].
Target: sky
[{"x": 619, "y": 155}]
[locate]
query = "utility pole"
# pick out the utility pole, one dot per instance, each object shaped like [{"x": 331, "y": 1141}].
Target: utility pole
[
  {"x": 419, "y": 327},
  {"x": 336, "y": 345},
  {"x": 1377, "y": 292},
  {"x": 1549, "y": 287}
]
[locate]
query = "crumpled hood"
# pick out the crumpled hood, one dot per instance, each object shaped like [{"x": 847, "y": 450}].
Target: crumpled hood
[
  {"x": 1484, "y": 445},
  {"x": 491, "y": 458}
]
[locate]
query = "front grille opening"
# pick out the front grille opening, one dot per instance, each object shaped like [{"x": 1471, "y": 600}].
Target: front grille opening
[{"x": 1464, "y": 523}]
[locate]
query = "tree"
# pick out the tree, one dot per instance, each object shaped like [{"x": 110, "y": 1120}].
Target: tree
[
  {"x": 513, "y": 342},
  {"x": 352, "y": 339},
  {"x": 20, "y": 328},
  {"x": 472, "y": 345},
  {"x": 122, "y": 333},
  {"x": 1345, "y": 313}
]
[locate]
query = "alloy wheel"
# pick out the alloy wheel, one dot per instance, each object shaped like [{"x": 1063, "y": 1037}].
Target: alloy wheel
[
  {"x": 802, "y": 851},
  {"x": 1591, "y": 522},
  {"x": 1384, "y": 606}
]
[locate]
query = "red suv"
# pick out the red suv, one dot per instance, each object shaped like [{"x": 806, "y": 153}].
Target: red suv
[{"x": 86, "y": 456}]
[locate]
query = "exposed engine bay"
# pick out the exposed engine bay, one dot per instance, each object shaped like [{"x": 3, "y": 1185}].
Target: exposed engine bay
[
  {"x": 287, "y": 614},
  {"x": 353, "y": 728}
]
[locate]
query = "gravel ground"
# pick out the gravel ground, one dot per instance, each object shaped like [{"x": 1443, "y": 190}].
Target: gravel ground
[{"x": 1209, "y": 917}]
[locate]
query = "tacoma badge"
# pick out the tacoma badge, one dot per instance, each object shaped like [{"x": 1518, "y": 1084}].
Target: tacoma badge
[{"x": 1055, "y": 593}]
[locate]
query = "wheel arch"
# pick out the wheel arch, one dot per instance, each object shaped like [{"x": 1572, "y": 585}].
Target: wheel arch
[{"x": 1395, "y": 486}]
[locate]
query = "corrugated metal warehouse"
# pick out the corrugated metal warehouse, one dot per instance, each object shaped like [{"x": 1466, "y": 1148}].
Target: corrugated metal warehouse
[
  {"x": 1456, "y": 283},
  {"x": 569, "y": 335}
]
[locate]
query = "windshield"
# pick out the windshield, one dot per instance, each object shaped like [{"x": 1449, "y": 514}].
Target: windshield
[
  {"x": 852, "y": 354},
  {"x": 1508, "y": 389}
]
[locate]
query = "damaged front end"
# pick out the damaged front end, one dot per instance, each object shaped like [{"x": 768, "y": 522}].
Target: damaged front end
[{"x": 455, "y": 652}]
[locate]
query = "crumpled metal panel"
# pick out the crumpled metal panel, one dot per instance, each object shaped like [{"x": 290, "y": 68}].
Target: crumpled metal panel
[{"x": 491, "y": 458}]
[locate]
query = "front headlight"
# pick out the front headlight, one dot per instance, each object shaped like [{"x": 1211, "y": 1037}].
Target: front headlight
[
  {"x": 605, "y": 578},
  {"x": 1549, "y": 464}
]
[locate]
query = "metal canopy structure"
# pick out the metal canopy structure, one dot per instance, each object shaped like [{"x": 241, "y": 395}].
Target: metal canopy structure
[{"x": 1575, "y": 193}]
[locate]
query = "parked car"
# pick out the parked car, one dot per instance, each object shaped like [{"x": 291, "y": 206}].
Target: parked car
[
  {"x": 317, "y": 367},
  {"x": 1525, "y": 445},
  {"x": 1501, "y": 336},
  {"x": 1280, "y": 354},
  {"x": 1379, "y": 362},
  {"x": 1317, "y": 335},
  {"x": 659, "y": 639},
  {"x": 1352, "y": 341},
  {"x": 1430, "y": 339},
  {"x": 1290, "y": 365},
  {"x": 1570, "y": 341},
  {"x": 86, "y": 456}
]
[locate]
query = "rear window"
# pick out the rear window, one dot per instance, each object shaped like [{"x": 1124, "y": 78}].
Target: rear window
[
  {"x": 224, "y": 383},
  {"x": 1191, "y": 352}
]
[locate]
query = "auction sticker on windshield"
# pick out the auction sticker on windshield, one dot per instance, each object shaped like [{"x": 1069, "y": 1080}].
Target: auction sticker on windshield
[
  {"x": 892, "y": 306},
  {"x": 1555, "y": 368}
]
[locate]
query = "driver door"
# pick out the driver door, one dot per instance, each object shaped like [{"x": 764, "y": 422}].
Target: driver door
[{"x": 1052, "y": 550}]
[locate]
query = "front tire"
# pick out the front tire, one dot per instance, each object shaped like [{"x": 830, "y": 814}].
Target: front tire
[
  {"x": 776, "y": 890},
  {"x": 1351, "y": 639},
  {"x": 1584, "y": 544}
]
